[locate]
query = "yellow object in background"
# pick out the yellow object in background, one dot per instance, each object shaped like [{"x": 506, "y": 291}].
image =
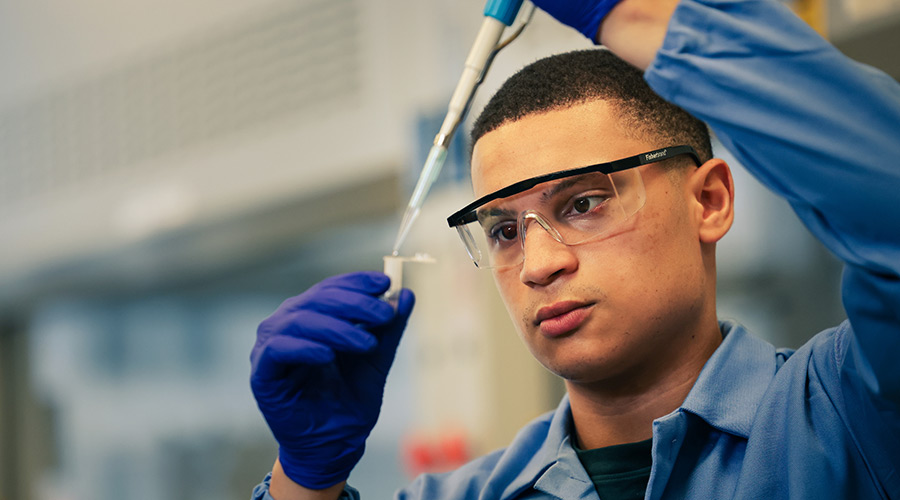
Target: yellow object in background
[{"x": 814, "y": 12}]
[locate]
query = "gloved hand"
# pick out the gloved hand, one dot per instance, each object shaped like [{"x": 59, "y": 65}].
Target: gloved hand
[
  {"x": 318, "y": 371},
  {"x": 583, "y": 15}
]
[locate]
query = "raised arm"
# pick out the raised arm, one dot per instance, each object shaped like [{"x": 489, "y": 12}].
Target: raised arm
[{"x": 817, "y": 128}]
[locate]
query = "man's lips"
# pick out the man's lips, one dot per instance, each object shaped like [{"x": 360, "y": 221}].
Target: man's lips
[{"x": 562, "y": 317}]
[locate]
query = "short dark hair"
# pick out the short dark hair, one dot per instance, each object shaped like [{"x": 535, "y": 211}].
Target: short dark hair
[{"x": 564, "y": 80}]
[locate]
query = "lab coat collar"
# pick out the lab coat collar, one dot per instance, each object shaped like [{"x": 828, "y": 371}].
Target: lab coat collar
[
  {"x": 545, "y": 460},
  {"x": 732, "y": 383},
  {"x": 566, "y": 478}
]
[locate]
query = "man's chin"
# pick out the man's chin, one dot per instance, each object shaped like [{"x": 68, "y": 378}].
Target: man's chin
[
  {"x": 586, "y": 372},
  {"x": 572, "y": 372}
]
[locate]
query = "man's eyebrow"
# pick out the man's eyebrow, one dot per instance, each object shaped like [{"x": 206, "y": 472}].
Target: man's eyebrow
[
  {"x": 561, "y": 186},
  {"x": 494, "y": 212}
]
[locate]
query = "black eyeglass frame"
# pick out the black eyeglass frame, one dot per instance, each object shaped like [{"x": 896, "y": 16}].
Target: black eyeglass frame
[{"x": 467, "y": 214}]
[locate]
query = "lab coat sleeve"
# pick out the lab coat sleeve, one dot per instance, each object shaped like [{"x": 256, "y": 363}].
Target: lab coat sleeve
[
  {"x": 816, "y": 127},
  {"x": 261, "y": 491}
]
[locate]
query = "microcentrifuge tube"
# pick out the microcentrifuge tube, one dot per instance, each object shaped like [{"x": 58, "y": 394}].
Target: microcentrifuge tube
[{"x": 393, "y": 268}]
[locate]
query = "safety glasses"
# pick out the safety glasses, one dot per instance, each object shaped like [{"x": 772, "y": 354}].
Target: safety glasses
[{"x": 574, "y": 206}]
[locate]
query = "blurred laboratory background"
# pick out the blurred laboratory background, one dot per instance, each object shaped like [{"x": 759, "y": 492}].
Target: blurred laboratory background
[{"x": 171, "y": 171}]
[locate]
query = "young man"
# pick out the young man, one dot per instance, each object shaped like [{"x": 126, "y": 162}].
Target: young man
[{"x": 609, "y": 274}]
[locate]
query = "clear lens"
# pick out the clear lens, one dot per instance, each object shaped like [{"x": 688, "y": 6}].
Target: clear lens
[{"x": 573, "y": 210}]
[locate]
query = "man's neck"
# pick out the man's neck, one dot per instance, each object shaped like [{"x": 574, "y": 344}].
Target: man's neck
[{"x": 622, "y": 411}]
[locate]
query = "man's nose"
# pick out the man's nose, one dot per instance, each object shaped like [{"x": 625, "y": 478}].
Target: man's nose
[{"x": 545, "y": 258}]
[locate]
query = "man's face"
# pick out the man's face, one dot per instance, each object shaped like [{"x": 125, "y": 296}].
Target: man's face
[{"x": 615, "y": 307}]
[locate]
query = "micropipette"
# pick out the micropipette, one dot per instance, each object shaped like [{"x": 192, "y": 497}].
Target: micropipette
[{"x": 498, "y": 15}]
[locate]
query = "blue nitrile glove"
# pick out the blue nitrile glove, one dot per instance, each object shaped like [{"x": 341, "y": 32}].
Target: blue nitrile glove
[
  {"x": 318, "y": 372},
  {"x": 583, "y": 15}
]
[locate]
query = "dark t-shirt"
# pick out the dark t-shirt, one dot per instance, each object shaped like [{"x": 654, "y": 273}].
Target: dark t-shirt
[{"x": 619, "y": 472}]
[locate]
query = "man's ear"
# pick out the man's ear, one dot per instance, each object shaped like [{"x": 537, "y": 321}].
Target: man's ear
[{"x": 712, "y": 193}]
